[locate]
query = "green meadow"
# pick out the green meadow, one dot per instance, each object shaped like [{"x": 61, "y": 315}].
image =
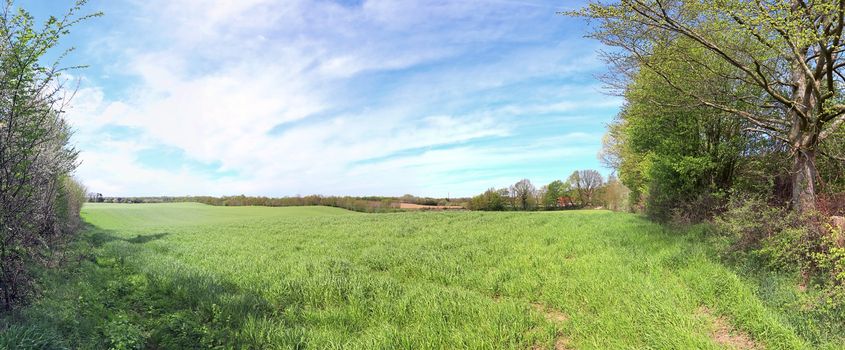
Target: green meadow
[{"x": 174, "y": 276}]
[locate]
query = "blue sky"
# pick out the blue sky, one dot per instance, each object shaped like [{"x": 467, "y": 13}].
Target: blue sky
[{"x": 333, "y": 97}]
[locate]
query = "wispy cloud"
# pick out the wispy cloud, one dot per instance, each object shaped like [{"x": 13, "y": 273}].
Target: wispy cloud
[{"x": 337, "y": 97}]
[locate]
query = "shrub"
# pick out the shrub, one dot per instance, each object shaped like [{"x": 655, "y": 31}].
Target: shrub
[
  {"x": 751, "y": 220},
  {"x": 831, "y": 260},
  {"x": 698, "y": 209},
  {"x": 71, "y": 196},
  {"x": 37, "y": 196},
  {"x": 122, "y": 334},
  {"x": 788, "y": 241}
]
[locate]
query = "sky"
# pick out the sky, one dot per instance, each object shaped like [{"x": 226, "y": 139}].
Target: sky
[{"x": 331, "y": 97}]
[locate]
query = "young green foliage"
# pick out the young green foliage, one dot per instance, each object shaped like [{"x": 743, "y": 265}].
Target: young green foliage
[
  {"x": 778, "y": 62},
  {"x": 39, "y": 205}
]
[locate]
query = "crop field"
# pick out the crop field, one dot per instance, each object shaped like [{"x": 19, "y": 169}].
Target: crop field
[{"x": 172, "y": 276}]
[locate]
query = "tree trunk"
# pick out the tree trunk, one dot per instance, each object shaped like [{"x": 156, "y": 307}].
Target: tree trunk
[
  {"x": 804, "y": 139},
  {"x": 804, "y": 181}
]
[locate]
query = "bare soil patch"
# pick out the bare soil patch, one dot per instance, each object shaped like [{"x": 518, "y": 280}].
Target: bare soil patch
[
  {"x": 726, "y": 334},
  {"x": 562, "y": 343},
  {"x": 551, "y": 314},
  {"x": 555, "y": 316}
]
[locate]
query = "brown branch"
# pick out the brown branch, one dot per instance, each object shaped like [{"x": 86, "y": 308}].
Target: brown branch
[
  {"x": 834, "y": 126},
  {"x": 644, "y": 9}
]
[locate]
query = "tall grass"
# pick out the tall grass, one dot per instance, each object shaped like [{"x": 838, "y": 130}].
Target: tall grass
[{"x": 174, "y": 276}]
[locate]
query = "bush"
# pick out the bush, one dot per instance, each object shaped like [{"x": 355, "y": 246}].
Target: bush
[
  {"x": 38, "y": 198},
  {"x": 831, "y": 260},
  {"x": 788, "y": 241},
  {"x": 699, "y": 209},
  {"x": 69, "y": 203},
  {"x": 122, "y": 334},
  {"x": 751, "y": 220}
]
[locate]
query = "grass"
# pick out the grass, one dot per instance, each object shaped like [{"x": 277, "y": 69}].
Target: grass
[{"x": 170, "y": 276}]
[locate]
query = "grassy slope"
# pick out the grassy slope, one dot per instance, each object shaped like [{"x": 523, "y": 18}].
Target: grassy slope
[{"x": 179, "y": 275}]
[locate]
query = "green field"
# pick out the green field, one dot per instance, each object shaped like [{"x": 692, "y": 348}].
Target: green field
[{"x": 170, "y": 276}]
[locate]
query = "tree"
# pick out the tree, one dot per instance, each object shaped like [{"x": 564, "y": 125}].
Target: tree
[
  {"x": 675, "y": 155},
  {"x": 489, "y": 200},
  {"x": 615, "y": 195},
  {"x": 585, "y": 182},
  {"x": 611, "y": 148},
  {"x": 780, "y": 61},
  {"x": 522, "y": 193},
  {"x": 540, "y": 197},
  {"x": 504, "y": 194},
  {"x": 554, "y": 190},
  {"x": 37, "y": 197}
]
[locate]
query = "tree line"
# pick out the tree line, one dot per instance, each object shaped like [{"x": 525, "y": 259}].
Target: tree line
[
  {"x": 39, "y": 198},
  {"x": 734, "y": 114},
  {"x": 583, "y": 189},
  {"x": 360, "y": 204},
  {"x": 364, "y": 204}
]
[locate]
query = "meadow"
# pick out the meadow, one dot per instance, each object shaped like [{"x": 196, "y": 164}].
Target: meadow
[{"x": 184, "y": 275}]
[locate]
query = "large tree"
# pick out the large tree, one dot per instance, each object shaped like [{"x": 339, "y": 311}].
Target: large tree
[
  {"x": 780, "y": 61},
  {"x": 522, "y": 193},
  {"x": 585, "y": 183}
]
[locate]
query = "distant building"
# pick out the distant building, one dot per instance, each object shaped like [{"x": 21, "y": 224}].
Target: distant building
[{"x": 565, "y": 201}]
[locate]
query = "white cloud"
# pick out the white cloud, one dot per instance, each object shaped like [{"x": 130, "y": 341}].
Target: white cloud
[{"x": 223, "y": 74}]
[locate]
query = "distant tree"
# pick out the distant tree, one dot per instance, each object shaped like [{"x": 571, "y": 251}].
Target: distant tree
[
  {"x": 585, "y": 183},
  {"x": 491, "y": 199},
  {"x": 511, "y": 196},
  {"x": 540, "y": 197},
  {"x": 95, "y": 197},
  {"x": 554, "y": 190},
  {"x": 522, "y": 193},
  {"x": 615, "y": 194}
]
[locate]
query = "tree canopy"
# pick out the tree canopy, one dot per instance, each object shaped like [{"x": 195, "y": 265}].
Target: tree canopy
[{"x": 775, "y": 66}]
